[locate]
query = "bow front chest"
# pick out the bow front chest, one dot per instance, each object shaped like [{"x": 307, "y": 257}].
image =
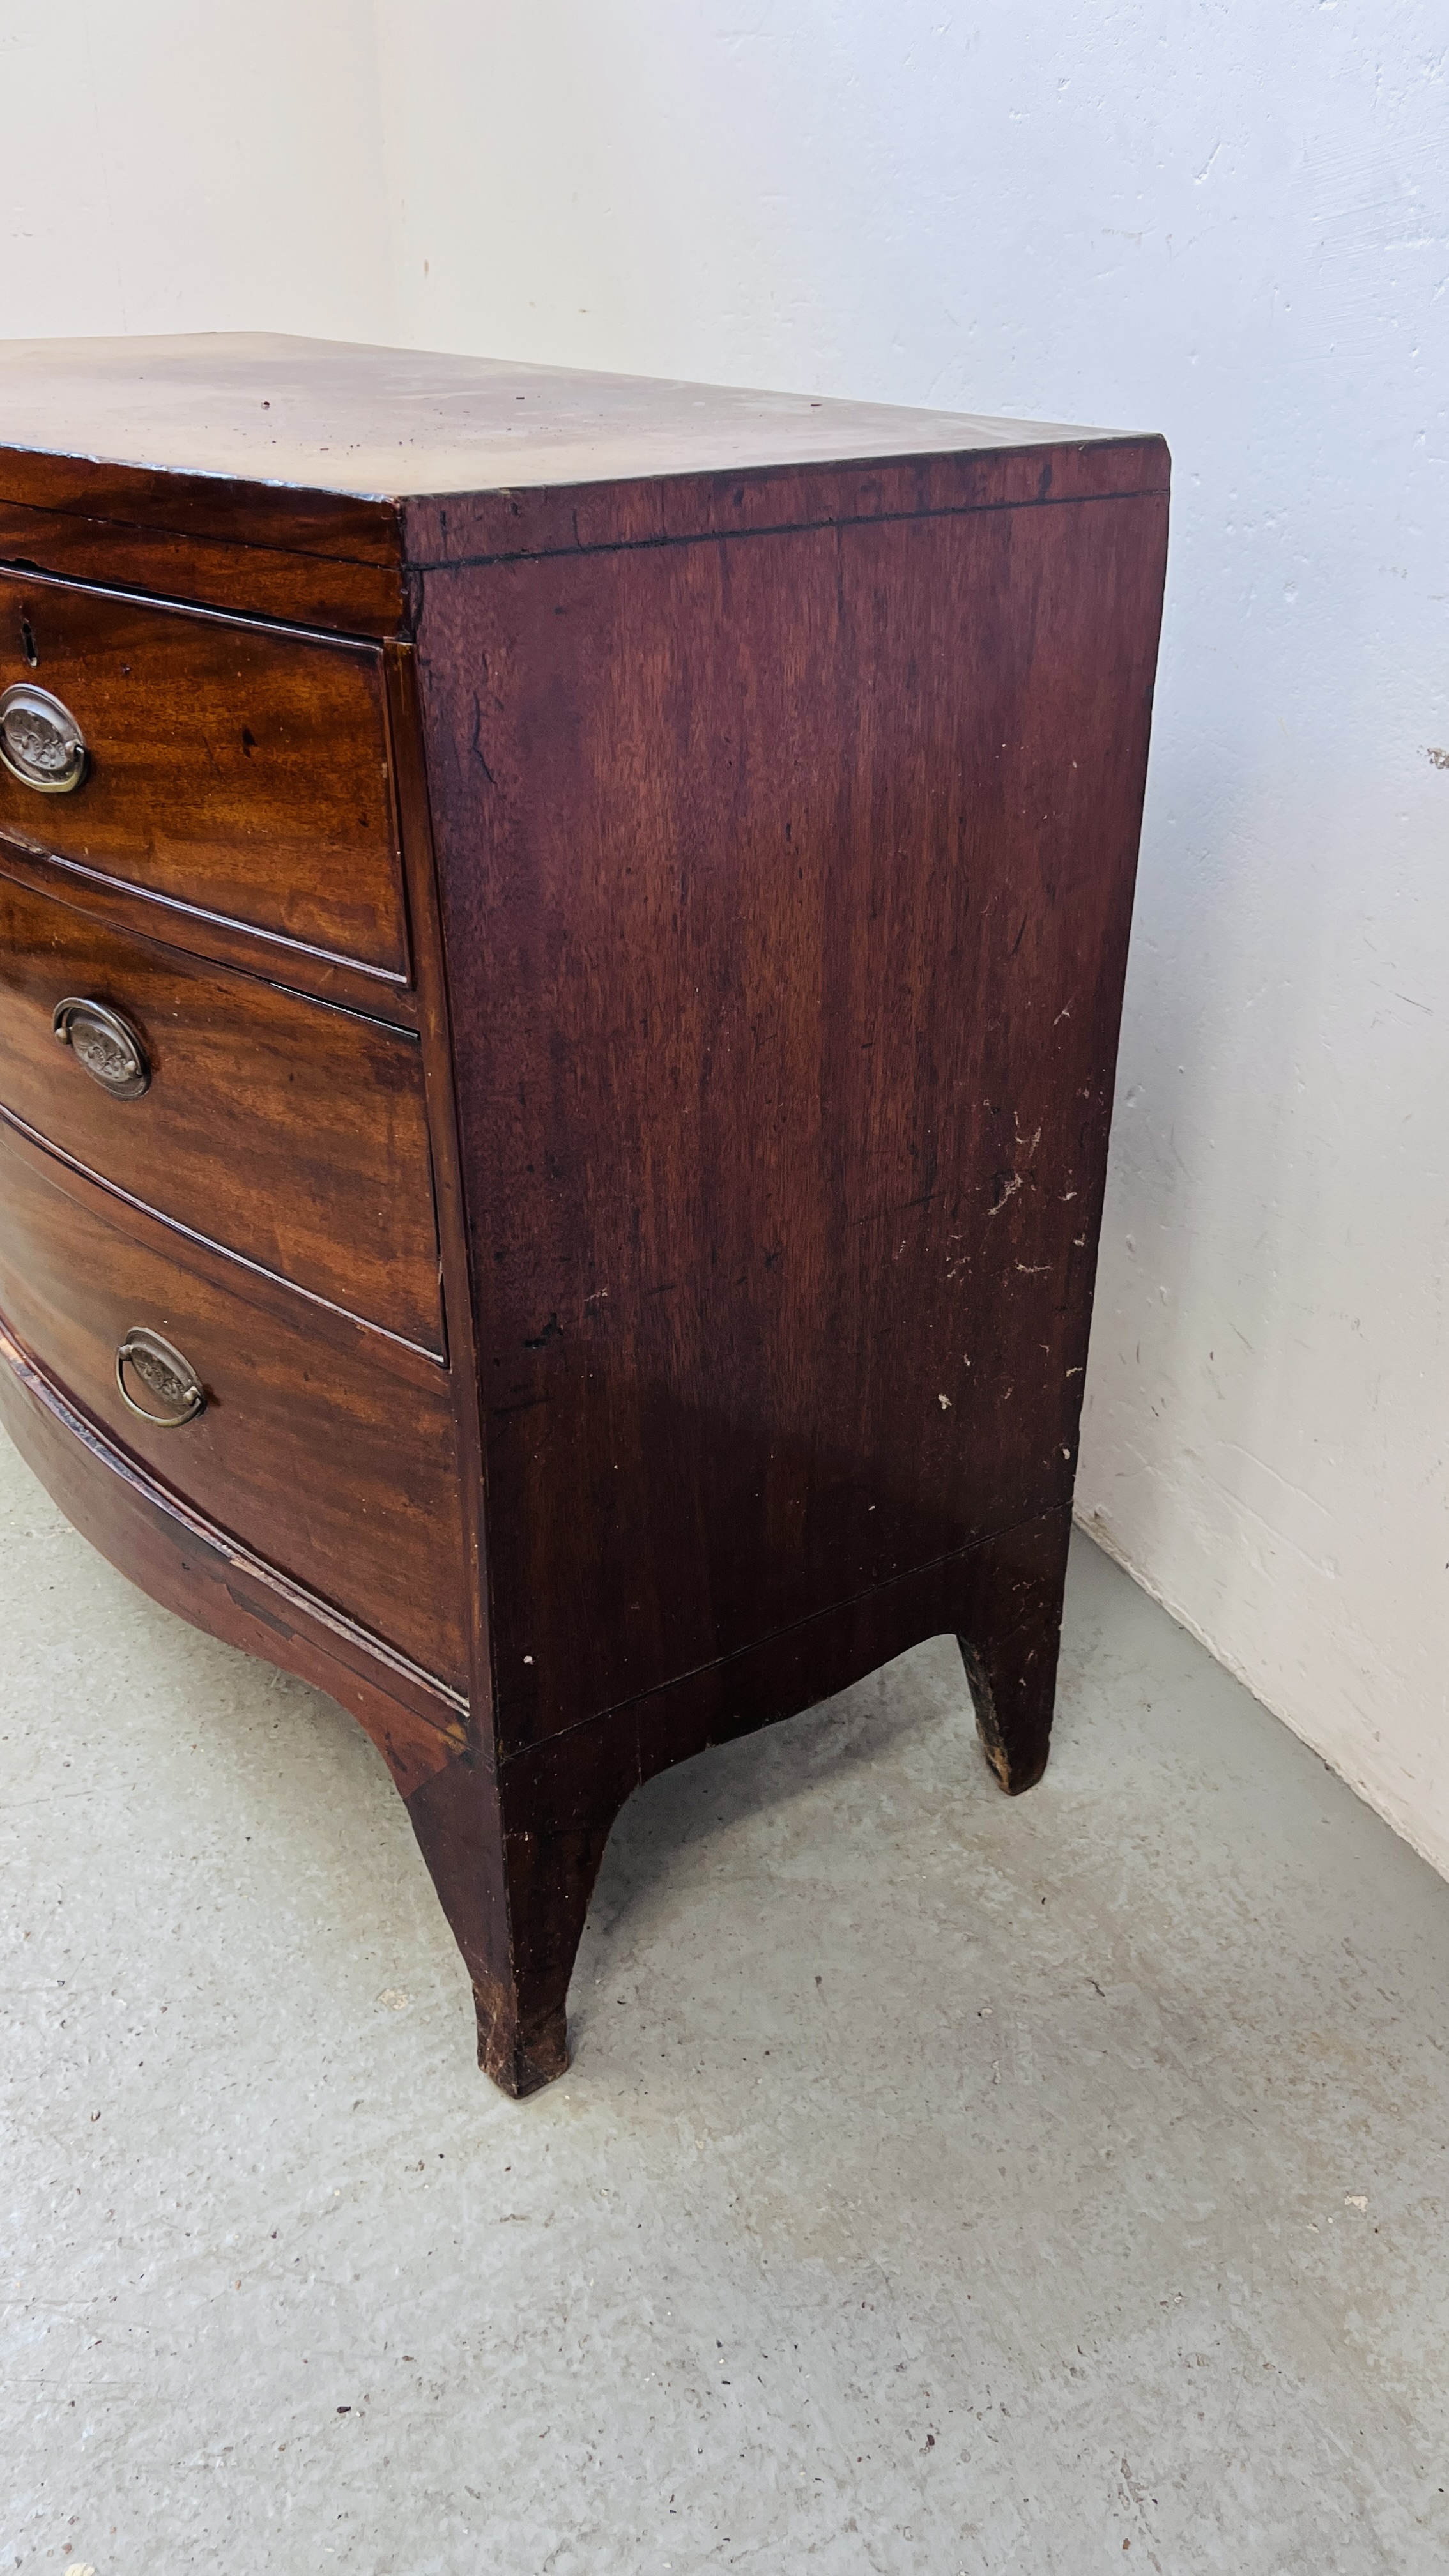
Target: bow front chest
[{"x": 561, "y": 947}]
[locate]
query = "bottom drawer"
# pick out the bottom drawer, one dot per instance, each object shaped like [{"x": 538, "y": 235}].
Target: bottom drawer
[{"x": 341, "y": 1472}]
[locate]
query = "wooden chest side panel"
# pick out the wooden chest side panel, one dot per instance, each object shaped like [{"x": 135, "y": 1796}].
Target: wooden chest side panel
[{"x": 786, "y": 888}]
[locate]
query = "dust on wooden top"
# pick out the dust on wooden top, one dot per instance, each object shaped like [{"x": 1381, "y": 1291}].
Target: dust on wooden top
[{"x": 332, "y": 417}]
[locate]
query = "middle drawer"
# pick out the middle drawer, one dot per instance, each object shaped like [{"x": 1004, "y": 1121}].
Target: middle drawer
[{"x": 280, "y": 1128}]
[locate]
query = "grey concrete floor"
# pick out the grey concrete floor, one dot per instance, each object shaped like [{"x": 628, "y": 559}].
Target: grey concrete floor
[{"x": 942, "y": 2184}]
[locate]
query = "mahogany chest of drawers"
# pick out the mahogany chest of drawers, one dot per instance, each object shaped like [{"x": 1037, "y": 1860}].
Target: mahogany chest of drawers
[{"x": 561, "y": 946}]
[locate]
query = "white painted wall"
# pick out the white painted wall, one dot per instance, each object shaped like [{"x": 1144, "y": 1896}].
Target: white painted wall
[
  {"x": 172, "y": 165},
  {"x": 1228, "y": 223}
]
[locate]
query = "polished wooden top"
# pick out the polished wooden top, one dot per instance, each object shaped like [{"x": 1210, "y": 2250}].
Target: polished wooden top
[{"x": 331, "y": 416}]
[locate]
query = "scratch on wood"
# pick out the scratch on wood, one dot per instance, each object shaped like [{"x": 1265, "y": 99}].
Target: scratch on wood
[{"x": 476, "y": 745}]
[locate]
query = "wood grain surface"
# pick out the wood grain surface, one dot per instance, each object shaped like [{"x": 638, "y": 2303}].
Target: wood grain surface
[
  {"x": 136, "y": 912},
  {"x": 324, "y": 1452},
  {"x": 258, "y": 580},
  {"x": 436, "y": 1037},
  {"x": 216, "y": 1582},
  {"x": 235, "y": 769},
  {"x": 786, "y": 889},
  {"x": 572, "y": 518},
  {"x": 309, "y": 420},
  {"x": 279, "y": 1128}
]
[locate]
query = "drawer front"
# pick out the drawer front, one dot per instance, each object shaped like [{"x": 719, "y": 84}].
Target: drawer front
[
  {"x": 280, "y": 1128},
  {"x": 232, "y": 768},
  {"x": 341, "y": 1473}
]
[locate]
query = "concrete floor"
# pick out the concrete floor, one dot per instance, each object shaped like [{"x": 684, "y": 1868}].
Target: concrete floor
[{"x": 942, "y": 2184}]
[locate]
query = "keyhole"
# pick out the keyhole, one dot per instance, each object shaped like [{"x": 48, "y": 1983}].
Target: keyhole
[{"x": 27, "y": 643}]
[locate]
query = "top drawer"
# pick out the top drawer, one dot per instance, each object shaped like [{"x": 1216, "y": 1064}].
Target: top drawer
[{"x": 235, "y": 769}]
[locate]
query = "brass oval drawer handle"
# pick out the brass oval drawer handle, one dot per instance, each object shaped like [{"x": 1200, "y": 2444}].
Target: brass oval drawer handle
[
  {"x": 40, "y": 742},
  {"x": 165, "y": 1373},
  {"x": 105, "y": 1044}
]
